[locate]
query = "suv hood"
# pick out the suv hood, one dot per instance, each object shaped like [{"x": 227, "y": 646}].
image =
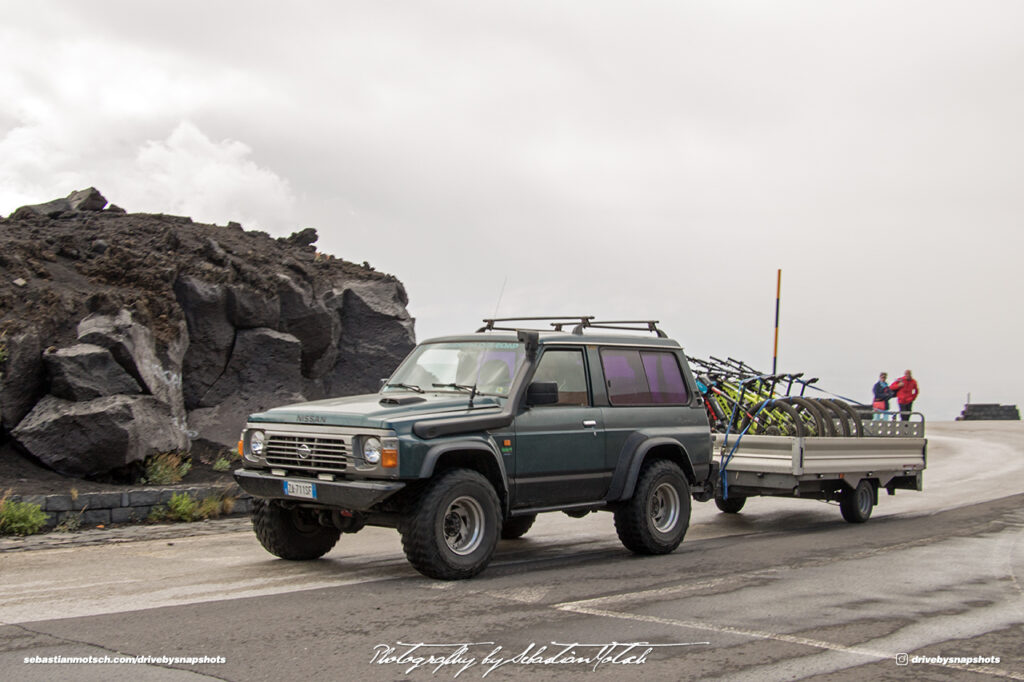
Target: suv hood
[{"x": 378, "y": 410}]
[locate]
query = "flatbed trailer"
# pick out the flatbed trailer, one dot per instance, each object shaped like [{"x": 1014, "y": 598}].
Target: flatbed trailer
[{"x": 891, "y": 455}]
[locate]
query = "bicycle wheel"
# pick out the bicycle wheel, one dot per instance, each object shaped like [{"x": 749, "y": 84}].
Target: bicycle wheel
[
  {"x": 814, "y": 421},
  {"x": 838, "y": 419},
  {"x": 856, "y": 428},
  {"x": 776, "y": 419}
]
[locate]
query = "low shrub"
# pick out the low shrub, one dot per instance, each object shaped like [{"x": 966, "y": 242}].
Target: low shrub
[
  {"x": 20, "y": 518},
  {"x": 184, "y": 507},
  {"x": 166, "y": 468}
]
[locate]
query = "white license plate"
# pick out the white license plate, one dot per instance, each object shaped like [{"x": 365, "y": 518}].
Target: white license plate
[{"x": 298, "y": 489}]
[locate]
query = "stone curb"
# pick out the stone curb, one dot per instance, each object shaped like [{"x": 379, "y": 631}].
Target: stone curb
[
  {"x": 128, "y": 506},
  {"x": 115, "y": 534}
]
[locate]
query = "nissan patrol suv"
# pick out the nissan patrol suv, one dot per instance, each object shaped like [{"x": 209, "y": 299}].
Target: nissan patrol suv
[{"x": 474, "y": 435}]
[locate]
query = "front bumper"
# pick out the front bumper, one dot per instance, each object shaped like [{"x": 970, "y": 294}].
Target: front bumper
[{"x": 353, "y": 495}]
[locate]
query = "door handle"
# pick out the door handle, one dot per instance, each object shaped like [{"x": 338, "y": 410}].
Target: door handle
[{"x": 589, "y": 423}]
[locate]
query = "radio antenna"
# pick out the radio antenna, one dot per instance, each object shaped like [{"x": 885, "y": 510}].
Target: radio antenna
[{"x": 500, "y": 295}]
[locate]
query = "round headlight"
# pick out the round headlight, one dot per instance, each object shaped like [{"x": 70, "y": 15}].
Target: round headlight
[
  {"x": 256, "y": 440},
  {"x": 371, "y": 450}
]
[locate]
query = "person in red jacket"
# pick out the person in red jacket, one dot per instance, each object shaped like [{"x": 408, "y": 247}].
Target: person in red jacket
[{"x": 906, "y": 391}]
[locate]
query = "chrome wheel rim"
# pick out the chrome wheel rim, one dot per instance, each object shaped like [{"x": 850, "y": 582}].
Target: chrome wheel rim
[
  {"x": 665, "y": 506},
  {"x": 463, "y": 525}
]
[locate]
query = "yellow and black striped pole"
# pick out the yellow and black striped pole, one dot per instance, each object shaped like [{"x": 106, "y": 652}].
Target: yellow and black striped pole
[{"x": 778, "y": 295}]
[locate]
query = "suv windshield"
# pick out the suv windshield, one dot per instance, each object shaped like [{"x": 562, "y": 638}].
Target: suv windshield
[{"x": 484, "y": 366}]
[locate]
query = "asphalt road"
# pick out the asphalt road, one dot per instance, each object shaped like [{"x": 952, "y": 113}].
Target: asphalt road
[{"x": 785, "y": 590}]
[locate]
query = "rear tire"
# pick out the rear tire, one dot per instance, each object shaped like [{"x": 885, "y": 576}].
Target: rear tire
[
  {"x": 291, "y": 533},
  {"x": 516, "y": 527},
  {"x": 451, "y": 532},
  {"x": 731, "y": 505},
  {"x": 856, "y": 504},
  {"x": 656, "y": 518}
]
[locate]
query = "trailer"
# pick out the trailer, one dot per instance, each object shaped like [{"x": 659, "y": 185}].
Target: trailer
[{"x": 891, "y": 455}]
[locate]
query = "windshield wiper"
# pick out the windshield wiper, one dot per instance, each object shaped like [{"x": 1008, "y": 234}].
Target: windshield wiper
[
  {"x": 411, "y": 387},
  {"x": 463, "y": 387}
]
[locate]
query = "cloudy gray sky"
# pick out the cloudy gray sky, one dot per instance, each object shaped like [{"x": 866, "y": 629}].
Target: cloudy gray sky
[{"x": 654, "y": 159}]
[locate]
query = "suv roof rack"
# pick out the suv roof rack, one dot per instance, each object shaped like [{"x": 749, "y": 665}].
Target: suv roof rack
[
  {"x": 625, "y": 325},
  {"x": 556, "y": 321},
  {"x": 580, "y": 323}
]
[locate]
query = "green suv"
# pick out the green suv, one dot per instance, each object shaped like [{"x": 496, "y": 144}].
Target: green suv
[{"x": 475, "y": 435}]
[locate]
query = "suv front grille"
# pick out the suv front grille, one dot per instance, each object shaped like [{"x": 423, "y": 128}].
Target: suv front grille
[{"x": 309, "y": 453}]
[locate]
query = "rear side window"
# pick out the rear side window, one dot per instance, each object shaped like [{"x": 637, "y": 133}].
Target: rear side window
[{"x": 638, "y": 377}]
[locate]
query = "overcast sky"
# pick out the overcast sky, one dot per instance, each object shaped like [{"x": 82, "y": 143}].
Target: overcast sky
[{"x": 633, "y": 159}]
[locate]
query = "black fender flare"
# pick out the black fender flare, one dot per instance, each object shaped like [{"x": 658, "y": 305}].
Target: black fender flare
[
  {"x": 634, "y": 451},
  {"x": 485, "y": 446}
]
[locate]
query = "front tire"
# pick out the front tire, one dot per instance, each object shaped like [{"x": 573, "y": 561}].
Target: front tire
[
  {"x": 291, "y": 533},
  {"x": 451, "y": 532},
  {"x": 656, "y": 518},
  {"x": 856, "y": 504}
]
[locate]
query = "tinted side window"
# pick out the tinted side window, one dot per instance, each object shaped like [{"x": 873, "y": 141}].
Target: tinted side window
[
  {"x": 624, "y": 372},
  {"x": 565, "y": 367},
  {"x": 643, "y": 377},
  {"x": 664, "y": 377}
]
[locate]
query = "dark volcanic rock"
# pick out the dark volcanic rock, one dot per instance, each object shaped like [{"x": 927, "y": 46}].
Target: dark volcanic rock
[
  {"x": 210, "y": 322},
  {"x": 98, "y": 436},
  {"x": 264, "y": 371},
  {"x": 82, "y": 200},
  {"x": 249, "y": 309},
  {"x": 210, "y": 335},
  {"x": 263, "y": 362},
  {"x": 84, "y": 372},
  {"x": 309, "y": 320},
  {"x": 304, "y": 237},
  {"x": 133, "y": 347},
  {"x": 22, "y": 377},
  {"x": 378, "y": 335}
]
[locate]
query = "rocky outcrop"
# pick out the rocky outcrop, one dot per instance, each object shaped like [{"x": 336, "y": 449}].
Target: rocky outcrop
[
  {"x": 83, "y": 200},
  {"x": 264, "y": 372},
  {"x": 145, "y": 333},
  {"x": 84, "y": 372},
  {"x": 22, "y": 376},
  {"x": 98, "y": 436},
  {"x": 131, "y": 343}
]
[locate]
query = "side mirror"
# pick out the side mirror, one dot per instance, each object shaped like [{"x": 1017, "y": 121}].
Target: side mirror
[{"x": 542, "y": 393}]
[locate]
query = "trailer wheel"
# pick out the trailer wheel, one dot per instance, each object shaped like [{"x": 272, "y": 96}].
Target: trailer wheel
[
  {"x": 655, "y": 519},
  {"x": 291, "y": 533},
  {"x": 517, "y": 526},
  {"x": 856, "y": 504},
  {"x": 731, "y": 505}
]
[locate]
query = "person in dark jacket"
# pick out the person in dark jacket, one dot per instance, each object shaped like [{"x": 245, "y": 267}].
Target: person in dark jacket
[
  {"x": 882, "y": 395},
  {"x": 905, "y": 389}
]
